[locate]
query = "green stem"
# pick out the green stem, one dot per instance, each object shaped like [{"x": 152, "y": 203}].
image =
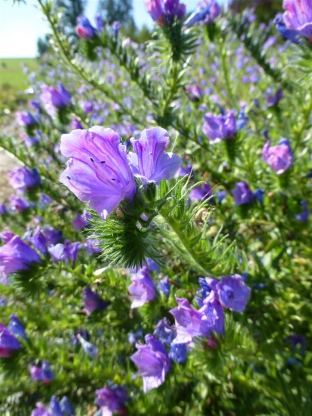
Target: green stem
[
  {"x": 225, "y": 70},
  {"x": 189, "y": 254},
  {"x": 80, "y": 71}
]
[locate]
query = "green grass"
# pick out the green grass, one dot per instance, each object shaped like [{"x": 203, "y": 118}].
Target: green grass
[{"x": 12, "y": 76}]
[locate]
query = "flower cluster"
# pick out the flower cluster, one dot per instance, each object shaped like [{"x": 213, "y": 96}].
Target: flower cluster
[
  {"x": 164, "y": 11},
  {"x": 101, "y": 172}
]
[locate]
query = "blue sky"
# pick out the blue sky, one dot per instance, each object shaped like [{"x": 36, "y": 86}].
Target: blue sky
[{"x": 21, "y": 25}]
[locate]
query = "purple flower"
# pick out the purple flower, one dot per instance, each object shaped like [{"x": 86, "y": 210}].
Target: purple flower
[
  {"x": 206, "y": 11},
  {"x": 53, "y": 98},
  {"x": 67, "y": 407},
  {"x": 79, "y": 222},
  {"x": 164, "y": 11},
  {"x": 99, "y": 23},
  {"x": 288, "y": 34},
  {"x": 3, "y": 209},
  {"x": 8, "y": 342},
  {"x": 242, "y": 194},
  {"x": 38, "y": 240},
  {"x": 16, "y": 327},
  {"x": 75, "y": 124},
  {"x": 88, "y": 348},
  {"x": 40, "y": 410},
  {"x": 279, "y": 158},
  {"x": 142, "y": 289},
  {"x": 273, "y": 100},
  {"x": 164, "y": 332},
  {"x": 233, "y": 293},
  {"x": 184, "y": 170},
  {"x": 220, "y": 127},
  {"x": 23, "y": 178},
  {"x": 84, "y": 29},
  {"x": 164, "y": 286},
  {"x": 91, "y": 246},
  {"x": 201, "y": 193},
  {"x": 25, "y": 118},
  {"x": 111, "y": 399},
  {"x": 92, "y": 301},
  {"x": 87, "y": 107},
  {"x": 177, "y": 353},
  {"x": 116, "y": 27},
  {"x": 296, "y": 340},
  {"x": 7, "y": 235},
  {"x": 18, "y": 203},
  {"x": 298, "y": 17},
  {"x": 98, "y": 171},
  {"x": 191, "y": 323},
  {"x": 55, "y": 407},
  {"x": 52, "y": 236},
  {"x": 16, "y": 255},
  {"x": 194, "y": 92},
  {"x": 304, "y": 215},
  {"x": 42, "y": 373},
  {"x": 62, "y": 252},
  {"x": 150, "y": 162},
  {"x": 152, "y": 361}
]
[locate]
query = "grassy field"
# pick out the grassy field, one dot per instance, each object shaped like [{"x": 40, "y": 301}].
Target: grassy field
[{"x": 12, "y": 76}]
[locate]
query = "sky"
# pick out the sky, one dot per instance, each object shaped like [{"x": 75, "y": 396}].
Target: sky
[{"x": 21, "y": 25}]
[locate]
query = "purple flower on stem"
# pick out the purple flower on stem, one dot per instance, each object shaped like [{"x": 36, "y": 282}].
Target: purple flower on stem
[
  {"x": 164, "y": 332},
  {"x": 111, "y": 399},
  {"x": 177, "y": 353},
  {"x": 88, "y": 348},
  {"x": 273, "y": 100},
  {"x": 232, "y": 292},
  {"x": 92, "y": 301},
  {"x": 7, "y": 235},
  {"x": 191, "y": 323},
  {"x": 98, "y": 170},
  {"x": 43, "y": 373},
  {"x": 38, "y": 240},
  {"x": 53, "y": 98},
  {"x": 55, "y": 407},
  {"x": 298, "y": 17},
  {"x": 201, "y": 193},
  {"x": 25, "y": 118},
  {"x": 40, "y": 410},
  {"x": 79, "y": 222},
  {"x": 116, "y": 27},
  {"x": 152, "y": 361},
  {"x": 242, "y": 193},
  {"x": 150, "y": 162},
  {"x": 18, "y": 203},
  {"x": 23, "y": 178},
  {"x": 219, "y": 127},
  {"x": 67, "y": 407},
  {"x": 16, "y": 255},
  {"x": 8, "y": 342},
  {"x": 16, "y": 327},
  {"x": 165, "y": 11},
  {"x": 194, "y": 92},
  {"x": 84, "y": 29},
  {"x": 75, "y": 124},
  {"x": 304, "y": 215},
  {"x": 99, "y": 23},
  {"x": 63, "y": 252},
  {"x": 206, "y": 11},
  {"x": 142, "y": 289},
  {"x": 279, "y": 158},
  {"x": 164, "y": 286}
]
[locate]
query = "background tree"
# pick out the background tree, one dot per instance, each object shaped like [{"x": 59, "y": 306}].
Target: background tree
[
  {"x": 264, "y": 9},
  {"x": 116, "y": 10},
  {"x": 43, "y": 45}
]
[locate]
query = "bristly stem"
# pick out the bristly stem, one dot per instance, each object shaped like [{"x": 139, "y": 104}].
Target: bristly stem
[{"x": 182, "y": 245}]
